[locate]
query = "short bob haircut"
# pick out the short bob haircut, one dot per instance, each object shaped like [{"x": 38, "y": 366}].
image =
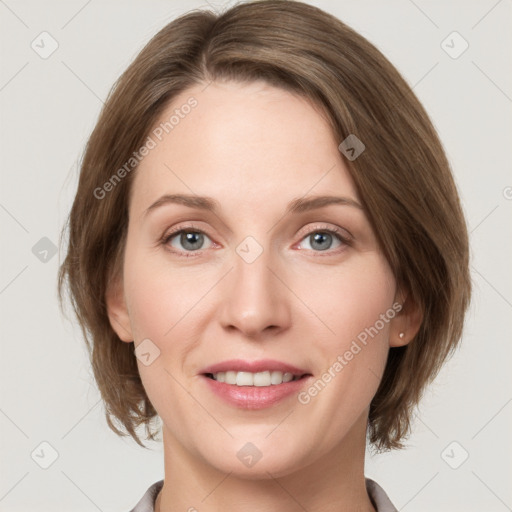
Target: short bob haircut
[{"x": 403, "y": 178}]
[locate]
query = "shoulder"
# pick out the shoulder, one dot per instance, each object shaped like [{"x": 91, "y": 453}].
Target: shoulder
[
  {"x": 379, "y": 498},
  {"x": 147, "y": 502}
]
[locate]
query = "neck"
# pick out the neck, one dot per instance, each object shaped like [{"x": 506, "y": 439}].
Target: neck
[{"x": 334, "y": 482}]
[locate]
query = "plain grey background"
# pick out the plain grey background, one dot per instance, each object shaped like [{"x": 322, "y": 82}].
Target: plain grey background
[{"x": 49, "y": 107}]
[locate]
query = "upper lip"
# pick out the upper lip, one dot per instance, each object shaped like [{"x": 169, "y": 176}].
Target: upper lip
[{"x": 239, "y": 365}]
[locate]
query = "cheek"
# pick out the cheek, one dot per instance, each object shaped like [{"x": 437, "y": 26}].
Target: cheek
[
  {"x": 156, "y": 297},
  {"x": 352, "y": 299},
  {"x": 162, "y": 302},
  {"x": 355, "y": 353},
  {"x": 158, "y": 304},
  {"x": 354, "y": 356},
  {"x": 150, "y": 316}
]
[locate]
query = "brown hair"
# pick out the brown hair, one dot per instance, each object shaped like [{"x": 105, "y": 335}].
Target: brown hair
[{"x": 403, "y": 179}]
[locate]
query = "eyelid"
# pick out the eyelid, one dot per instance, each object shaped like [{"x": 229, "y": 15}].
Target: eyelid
[{"x": 345, "y": 235}]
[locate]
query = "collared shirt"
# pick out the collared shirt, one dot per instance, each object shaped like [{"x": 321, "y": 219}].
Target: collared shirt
[{"x": 378, "y": 497}]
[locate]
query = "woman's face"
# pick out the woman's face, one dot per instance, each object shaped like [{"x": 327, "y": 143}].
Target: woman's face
[{"x": 265, "y": 282}]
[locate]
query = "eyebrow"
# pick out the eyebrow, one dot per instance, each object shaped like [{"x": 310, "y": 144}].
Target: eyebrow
[{"x": 297, "y": 205}]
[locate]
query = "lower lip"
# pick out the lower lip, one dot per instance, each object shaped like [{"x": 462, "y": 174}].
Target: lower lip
[{"x": 255, "y": 397}]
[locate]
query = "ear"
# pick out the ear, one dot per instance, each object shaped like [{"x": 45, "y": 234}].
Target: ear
[
  {"x": 117, "y": 310},
  {"x": 407, "y": 322}
]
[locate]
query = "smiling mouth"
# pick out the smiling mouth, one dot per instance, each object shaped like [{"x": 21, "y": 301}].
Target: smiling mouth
[{"x": 258, "y": 379}]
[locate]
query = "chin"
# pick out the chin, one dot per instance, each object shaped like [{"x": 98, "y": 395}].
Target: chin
[{"x": 256, "y": 459}]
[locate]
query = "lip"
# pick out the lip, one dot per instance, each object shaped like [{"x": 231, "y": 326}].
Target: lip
[
  {"x": 255, "y": 397},
  {"x": 239, "y": 365}
]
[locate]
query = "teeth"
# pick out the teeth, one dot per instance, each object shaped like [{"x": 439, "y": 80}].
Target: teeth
[{"x": 254, "y": 379}]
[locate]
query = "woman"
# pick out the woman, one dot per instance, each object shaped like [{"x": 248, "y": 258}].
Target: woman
[{"x": 266, "y": 212}]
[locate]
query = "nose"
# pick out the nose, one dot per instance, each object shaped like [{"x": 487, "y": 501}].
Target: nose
[{"x": 255, "y": 299}]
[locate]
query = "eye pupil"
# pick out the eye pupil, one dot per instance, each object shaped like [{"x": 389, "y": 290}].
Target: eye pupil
[
  {"x": 321, "y": 237},
  {"x": 191, "y": 238}
]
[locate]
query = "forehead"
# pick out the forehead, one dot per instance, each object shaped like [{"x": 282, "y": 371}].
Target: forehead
[{"x": 252, "y": 142}]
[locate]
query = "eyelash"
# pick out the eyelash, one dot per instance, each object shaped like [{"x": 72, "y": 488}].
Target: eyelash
[{"x": 191, "y": 229}]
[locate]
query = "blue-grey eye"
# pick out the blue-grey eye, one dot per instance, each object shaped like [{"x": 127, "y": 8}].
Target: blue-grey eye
[
  {"x": 189, "y": 240},
  {"x": 322, "y": 240}
]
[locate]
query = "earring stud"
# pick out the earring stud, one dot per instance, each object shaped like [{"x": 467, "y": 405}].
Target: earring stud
[{"x": 401, "y": 335}]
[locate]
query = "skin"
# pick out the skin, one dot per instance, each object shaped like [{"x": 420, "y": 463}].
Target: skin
[{"x": 254, "y": 148}]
